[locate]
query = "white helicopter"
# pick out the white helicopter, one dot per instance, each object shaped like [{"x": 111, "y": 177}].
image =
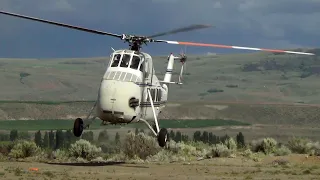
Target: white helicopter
[{"x": 130, "y": 92}]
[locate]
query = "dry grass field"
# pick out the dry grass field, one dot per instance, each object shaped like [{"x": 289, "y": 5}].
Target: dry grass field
[{"x": 282, "y": 167}]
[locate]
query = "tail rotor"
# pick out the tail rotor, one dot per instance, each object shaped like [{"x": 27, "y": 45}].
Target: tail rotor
[{"x": 183, "y": 59}]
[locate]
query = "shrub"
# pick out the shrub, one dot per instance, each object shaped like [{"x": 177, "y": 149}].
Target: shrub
[
  {"x": 314, "y": 148},
  {"x": 219, "y": 150},
  {"x": 5, "y": 147},
  {"x": 282, "y": 151},
  {"x": 299, "y": 145},
  {"x": 247, "y": 153},
  {"x": 180, "y": 151},
  {"x": 231, "y": 144},
  {"x": 84, "y": 149},
  {"x": 140, "y": 145},
  {"x": 60, "y": 155},
  {"x": 24, "y": 149},
  {"x": 181, "y": 147},
  {"x": 269, "y": 145},
  {"x": 165, "y": 156},
  {"x": 266, "y": 145},
  {"x": 110, "y": 147},
  {"x": 253, "y": 156}
]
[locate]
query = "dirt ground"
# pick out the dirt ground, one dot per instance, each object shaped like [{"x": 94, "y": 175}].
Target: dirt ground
[{"x": 289, "y": 167}]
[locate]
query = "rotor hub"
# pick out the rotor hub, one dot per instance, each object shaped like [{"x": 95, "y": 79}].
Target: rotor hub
[{"x": 135, "y": 42}]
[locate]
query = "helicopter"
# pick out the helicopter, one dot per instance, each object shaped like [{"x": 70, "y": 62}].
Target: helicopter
[{"x": 129, "y": 90}]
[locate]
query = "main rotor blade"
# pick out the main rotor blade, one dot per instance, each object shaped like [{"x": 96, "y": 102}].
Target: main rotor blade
[
  {"x": 184, "y": 29},
  {"x": 232, "y": 47},
  {"x": 60, "y": 24}
]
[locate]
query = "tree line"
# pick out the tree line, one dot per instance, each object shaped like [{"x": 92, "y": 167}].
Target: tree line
[{"x": 59, "y": 139}]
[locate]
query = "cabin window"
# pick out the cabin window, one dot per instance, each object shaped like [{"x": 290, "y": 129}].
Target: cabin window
[
  {"x": 116, "y": 60},
  {"x": 125, "y": 60},
  {"x": 159, "y": 95},
  {"x": 135, "y": 62},
  {"x": 153, "y": 95}
]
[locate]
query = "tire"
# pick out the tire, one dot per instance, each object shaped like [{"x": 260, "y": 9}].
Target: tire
[
  {"x": 163, "y": 137},
  {"x": 78, "y": 127}
]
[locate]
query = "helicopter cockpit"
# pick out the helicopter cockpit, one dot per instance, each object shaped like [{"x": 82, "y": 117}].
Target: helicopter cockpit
[{"x": 127, "y": 60}]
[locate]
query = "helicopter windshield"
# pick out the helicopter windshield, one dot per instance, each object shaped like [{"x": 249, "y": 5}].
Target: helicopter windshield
[
  {"x": 135, "y": 62},
  {"x": 124, "y": 61},
  {"x": 116, "y": 60}
]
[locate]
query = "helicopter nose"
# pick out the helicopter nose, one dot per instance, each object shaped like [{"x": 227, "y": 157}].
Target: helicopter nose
[{"x": 119, "y": 99}]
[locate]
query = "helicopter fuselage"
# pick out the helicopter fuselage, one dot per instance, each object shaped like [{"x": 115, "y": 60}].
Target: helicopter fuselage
[{"x": 123, "y": 95}]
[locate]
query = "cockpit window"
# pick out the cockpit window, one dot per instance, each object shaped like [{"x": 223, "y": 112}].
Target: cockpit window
[
  {"x": 141, "y": 67},
  {"x": 125, "y": 60},
  {"x": 116, "y": 60},
  {"x": 135, "y": 62}
]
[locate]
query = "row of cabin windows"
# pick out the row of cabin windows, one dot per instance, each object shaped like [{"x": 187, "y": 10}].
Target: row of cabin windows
[
  {"x": 117, "y": 61},
  {"x": 155, "y": 94}
]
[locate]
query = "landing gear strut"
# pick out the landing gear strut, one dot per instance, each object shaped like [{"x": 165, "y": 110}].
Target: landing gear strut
[
  {"x": 161, "y": 134},
  {"x": 79, "y": 125}
]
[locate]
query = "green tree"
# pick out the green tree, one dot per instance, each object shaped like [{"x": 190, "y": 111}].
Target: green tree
[
  {"x": 240, "y": 140},
  {"x": 178, "y": 136},
  {"x": 205, "y": 137},
  {"x": 59, "y": 139},
  {"x": 215, "y": 139},
  {"x": 88, "y": 136},
  {"x": 210, "y": 138},
  {"x": 103, "y": 136},
  {"x": 197, "y": 136},
  {"x": 51, "y": 140},
  {"x": 45, "y": 140},
  {"x": 223, "y": 138},
  {"x": 37, "y": 139},
  {"x": 117, "y": 138},
  {"x": 68, "y": 139},
  {"x": 185, "y": 138},
  {"x": 4, "y": 137},
  {"x": 172, "y": 135},
  {"x": 13, "y": 135},
  {"x": 24, "y": 135}
]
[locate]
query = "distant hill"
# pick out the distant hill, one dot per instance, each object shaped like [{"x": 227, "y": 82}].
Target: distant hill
[{"x": 252, "y": 77}]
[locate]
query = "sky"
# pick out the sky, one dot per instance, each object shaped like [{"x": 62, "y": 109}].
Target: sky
[{"x": 255, "y": 23}]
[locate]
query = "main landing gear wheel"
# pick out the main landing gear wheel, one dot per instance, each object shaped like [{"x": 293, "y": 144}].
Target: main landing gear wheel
[
  {"x": 78, "y": 127},
  {"x": 163, "y": 137}
]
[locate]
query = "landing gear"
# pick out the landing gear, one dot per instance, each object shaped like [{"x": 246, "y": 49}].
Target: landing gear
[
  {"x": 161, "y": 134},
  {"x": 78, "y": 127},
  {"x": 163, "y": 137}
]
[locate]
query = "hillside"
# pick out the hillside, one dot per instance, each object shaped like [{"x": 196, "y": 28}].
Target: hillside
[
  {"x": 272, "y": 114},
  {"x": 254, "y": 77},
  {"x": 278, "y": 94}
]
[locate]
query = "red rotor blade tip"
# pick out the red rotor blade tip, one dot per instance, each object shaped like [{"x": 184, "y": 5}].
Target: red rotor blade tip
[{"x": 235, "y": 47}]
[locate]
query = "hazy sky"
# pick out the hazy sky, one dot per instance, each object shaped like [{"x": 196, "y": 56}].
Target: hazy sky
[{"x": 260, "y": 23}]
